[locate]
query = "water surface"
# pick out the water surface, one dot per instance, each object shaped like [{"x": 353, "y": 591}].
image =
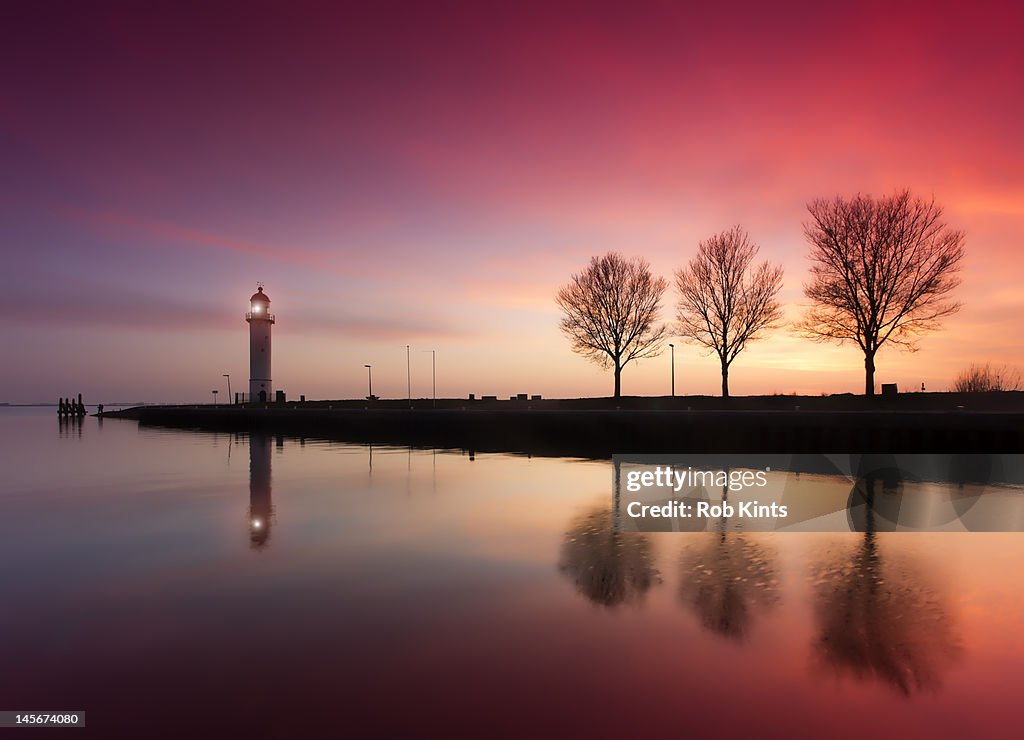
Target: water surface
[{"x": 201, "y": 585}]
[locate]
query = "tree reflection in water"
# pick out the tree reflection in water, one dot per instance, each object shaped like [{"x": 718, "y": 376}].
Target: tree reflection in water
[
  {"x": 881, "y": 618},
  {"x": 727, "y": 581},
  {"x": 609, "y": 568}
]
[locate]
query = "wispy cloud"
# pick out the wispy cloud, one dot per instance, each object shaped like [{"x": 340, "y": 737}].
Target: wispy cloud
[
  {"x": 286, "y": 253},
  {"x": 112, "y": 307},
  {"x": 379, "y": 327},
  {"x": 97, "y": 309}
]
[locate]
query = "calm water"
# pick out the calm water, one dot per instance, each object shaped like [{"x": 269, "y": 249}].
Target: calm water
[{"x": 185, "y": 584}]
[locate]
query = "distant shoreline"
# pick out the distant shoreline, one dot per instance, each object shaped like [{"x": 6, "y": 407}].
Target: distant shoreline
[{"x": 55, "y": 405}]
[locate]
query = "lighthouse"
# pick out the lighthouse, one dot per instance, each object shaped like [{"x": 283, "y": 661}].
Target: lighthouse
[{"x": 260, "y": 321}]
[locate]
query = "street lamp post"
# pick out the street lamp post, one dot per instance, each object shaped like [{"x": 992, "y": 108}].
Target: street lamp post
[
  {"x": 214, "y": 392},
  {"x": 408, "y": 374},
  {"x": 433, "y": 376},
  {"x": 672, "y": 348},
  {"x": 230, "y": 397},
  {"x": 369, "y": 382}
]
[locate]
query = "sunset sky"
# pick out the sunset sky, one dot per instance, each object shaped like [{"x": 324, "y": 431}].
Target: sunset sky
[{"x": 430, "y": 173}]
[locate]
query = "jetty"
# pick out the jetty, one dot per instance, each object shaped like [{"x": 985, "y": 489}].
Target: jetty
[{"x": 599, "y": 428}]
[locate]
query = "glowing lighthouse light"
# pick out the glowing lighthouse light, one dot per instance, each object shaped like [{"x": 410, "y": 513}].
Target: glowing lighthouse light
[{"x": 260, "y": 321}]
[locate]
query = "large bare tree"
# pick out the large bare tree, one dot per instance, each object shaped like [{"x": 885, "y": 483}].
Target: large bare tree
[
  {"x": 610, "y": 312},
  {"x": 882, "y": 271},
  {"x": 725, "y": 300}
]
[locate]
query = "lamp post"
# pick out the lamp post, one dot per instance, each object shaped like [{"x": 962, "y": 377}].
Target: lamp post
[
  {"x": 408, "y": 374},
  {"x": 369, "y": 382},
  {"x": 433, "y": 376},
  {"x": 672, "y": 349},
  {"x": 214, "y": 392},
  {"x": 230, "y": 397}
]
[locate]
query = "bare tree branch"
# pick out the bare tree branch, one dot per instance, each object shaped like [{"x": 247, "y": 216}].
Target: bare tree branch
[
  {"x": 609, "y": 312},
  {"x": 725, "y": 301}
]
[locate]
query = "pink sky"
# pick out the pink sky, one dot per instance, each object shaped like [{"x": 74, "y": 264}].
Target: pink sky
[{"x": 431, "y": 174}]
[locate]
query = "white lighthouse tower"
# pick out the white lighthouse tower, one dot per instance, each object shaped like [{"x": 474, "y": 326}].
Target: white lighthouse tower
[{"x": 260, "y": 320}]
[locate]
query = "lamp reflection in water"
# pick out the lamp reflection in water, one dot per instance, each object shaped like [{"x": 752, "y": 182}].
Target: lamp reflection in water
[{"x": 261, "y": 507}]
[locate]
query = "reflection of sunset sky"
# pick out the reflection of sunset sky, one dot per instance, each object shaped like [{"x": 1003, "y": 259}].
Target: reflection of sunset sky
[
  {"x": 431, "y": 176},
  {"x": 435, "y": 581}
]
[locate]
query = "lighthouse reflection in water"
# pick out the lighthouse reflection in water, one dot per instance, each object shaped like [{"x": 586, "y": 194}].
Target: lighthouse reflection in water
[
  {"x": 261, "y": 507},
  {"x": 465, "y": 587}
]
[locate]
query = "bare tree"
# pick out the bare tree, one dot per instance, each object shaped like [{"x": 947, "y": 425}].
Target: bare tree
[
  {"x": 986, "y": 378},
  {"x": 882, "y": 271},
  {"x": 610, "y": 310},
  {"x": 725, "y": 301}
]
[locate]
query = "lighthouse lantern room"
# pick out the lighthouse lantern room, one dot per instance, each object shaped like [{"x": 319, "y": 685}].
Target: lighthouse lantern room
[{"x": 260, "y": 321}]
